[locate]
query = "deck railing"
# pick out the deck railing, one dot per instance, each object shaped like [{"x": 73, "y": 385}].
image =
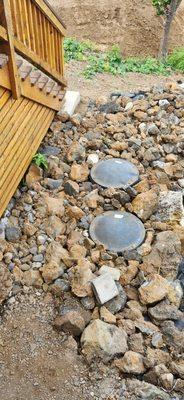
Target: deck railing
[{"x": 36, "y": 33}]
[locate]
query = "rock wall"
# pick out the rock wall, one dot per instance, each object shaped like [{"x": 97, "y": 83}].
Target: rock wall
[{"x": 130, "y": 23}]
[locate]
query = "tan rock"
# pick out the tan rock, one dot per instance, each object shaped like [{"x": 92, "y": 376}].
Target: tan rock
[
  {"x": 72, "y": 322},
  {"x": 153, "y": 290},
  {"x": 142, "y": 186},
  {"x": 81, "y": 281},
  {"x": 129, "y": 273},
  {"x": 54, "y": 206},
  {"x": 131, "y": 363},
  {"x": 145, "y": 204},
  {"x": 75, "y": 212},
  {"x": 103, "y": 341},
  {"x": 165, "y": 256},
  {"x": 79, "y": 172},
  {"x": 34, "y": 175},
  {"x": 155, "y": 357},
  {"x": 107, "y": 316},
  {"x": 6, "y": 283},
  {"x": 77, "y": 252},
  {"x": 54, "y": 227},
  {"x": 92, "y": 199},
  {"x": 33, "y": 278}
]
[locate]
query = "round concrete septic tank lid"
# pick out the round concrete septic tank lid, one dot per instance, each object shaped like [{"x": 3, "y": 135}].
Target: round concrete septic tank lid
[
  {"x": 115, "y": 173},
  {"x": 117, "y": 231}
]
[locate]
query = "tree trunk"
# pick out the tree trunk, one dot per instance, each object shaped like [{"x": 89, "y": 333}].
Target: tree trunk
[
  {"x": 169, "y": 16},
  {"x": 165, "y": 39}
]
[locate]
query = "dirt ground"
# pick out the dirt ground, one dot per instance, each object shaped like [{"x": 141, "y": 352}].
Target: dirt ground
[
  {"x": 105, "y": 84},
  {"x": 37, "y": 363},
  {"x": 132, "y": 24}
]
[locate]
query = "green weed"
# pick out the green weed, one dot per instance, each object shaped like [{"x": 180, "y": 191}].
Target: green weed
[
  {"x": 112, "y": 61},
  {"x": 176, "y": 59},
  {"x": 40, "y": 160}
]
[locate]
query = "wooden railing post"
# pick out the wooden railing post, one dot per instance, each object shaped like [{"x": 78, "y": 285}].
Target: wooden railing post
[{"x": 14, "y": 76}]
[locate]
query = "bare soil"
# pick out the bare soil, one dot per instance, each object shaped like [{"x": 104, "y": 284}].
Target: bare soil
[
  {"x": 132, "y": 24},
  {"x": 105, "y": 84}
]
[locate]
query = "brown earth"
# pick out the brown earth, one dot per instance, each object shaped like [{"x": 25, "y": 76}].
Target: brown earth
[
  {"x": 132, "y": 24},
  {"x": 105, "y": 84}
]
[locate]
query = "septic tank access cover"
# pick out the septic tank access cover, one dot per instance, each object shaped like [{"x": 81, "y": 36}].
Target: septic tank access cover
[
  {"x": 117, "y": 231},
  {"x": 115, "y": 172}
]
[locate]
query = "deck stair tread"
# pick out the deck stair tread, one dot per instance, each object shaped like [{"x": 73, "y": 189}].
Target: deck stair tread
[{"x": 35, "y": 76}]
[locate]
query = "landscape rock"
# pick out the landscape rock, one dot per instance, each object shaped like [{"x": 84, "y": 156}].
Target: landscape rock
[
  {"x": 12, "y": 233},
  {"x": 104, "y": 288},
  {"x": 163, "y": 311},
  {"x": 54, "y": 206},
  {"x": 170, "y": 208},
  {"x": 145, "y": 204},
  {"x": 118, "y": 303},
  {"x": 79, "y": 172},
  {"x": 34, "y": 175},
  {"x": 71, "y": 322},
  {"x": 71, "y": 188},
  {"x": 153, "y": 290},
  {"x": 114, "y": 272},
  {"x": 6, "y": 283},
  {"x": 104, "y": 341},
  {"x": 81, "y": 280},
  {"x": 165, "y": 256},
  {"x": 131, "y": 363}
]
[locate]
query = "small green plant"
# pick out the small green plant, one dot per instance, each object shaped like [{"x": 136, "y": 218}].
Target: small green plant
[
  {"x": 40, "y": 160},
  {"x": 76, "y": 50},
  {"x": 112, "y": 61},
  {"x": 176, "y": 59}
]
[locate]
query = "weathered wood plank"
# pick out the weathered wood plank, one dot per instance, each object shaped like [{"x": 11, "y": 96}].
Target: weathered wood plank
[{"x": 14, "y": 77}]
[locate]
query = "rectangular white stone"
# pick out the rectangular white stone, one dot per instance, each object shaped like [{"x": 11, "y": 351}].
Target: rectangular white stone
[
  {"x": 71, "y": 101},
  {"x": 104, "y": 288}
]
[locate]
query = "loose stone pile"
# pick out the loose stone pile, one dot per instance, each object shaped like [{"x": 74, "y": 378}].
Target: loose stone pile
[{"x": 126, "y": 308}]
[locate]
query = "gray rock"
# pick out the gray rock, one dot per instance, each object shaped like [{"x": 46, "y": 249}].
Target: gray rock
[
  {"x": 88, "y": 303},
  {"x": 110, "y": 108},
  {"x": 139, "y": 390},
  {"x": 118, "y": 303},
  {"x": 38, "y": 258},
  {"x": 153, "y": 129},
  {"x": 50, "y": 150},
  {"x": 52, "y": 184},
  {"x": 12, "y": 233},
  {"x": 71, "y": 188},
  {"x": 164, "y": 311},
  {"x": 173, "y": 336},
  {"x": 164, "y": 103}
]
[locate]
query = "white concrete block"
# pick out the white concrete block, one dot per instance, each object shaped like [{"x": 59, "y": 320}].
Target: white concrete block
[
  {"x": 104, "y": 288},
  {"x": 71, "y": 101},
  {"x": 114, "y": 272}
]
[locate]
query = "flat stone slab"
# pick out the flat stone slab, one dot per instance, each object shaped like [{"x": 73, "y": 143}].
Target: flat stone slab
[
  {"x": 117, "y": 231},
  {"x": 104, "y": 288},
  {"x": 115, "y": 172}
]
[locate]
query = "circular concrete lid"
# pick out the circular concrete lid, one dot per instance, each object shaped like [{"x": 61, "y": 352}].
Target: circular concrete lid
[
  {"x": 115, "y": 172},
  {"x": 117, "y": 231}
]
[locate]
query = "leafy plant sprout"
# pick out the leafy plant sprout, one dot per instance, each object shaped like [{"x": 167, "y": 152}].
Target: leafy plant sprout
[{"x": 40, "y": 160}]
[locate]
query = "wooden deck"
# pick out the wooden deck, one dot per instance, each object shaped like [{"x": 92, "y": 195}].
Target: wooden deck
[{"x": 32, "y": 85}]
